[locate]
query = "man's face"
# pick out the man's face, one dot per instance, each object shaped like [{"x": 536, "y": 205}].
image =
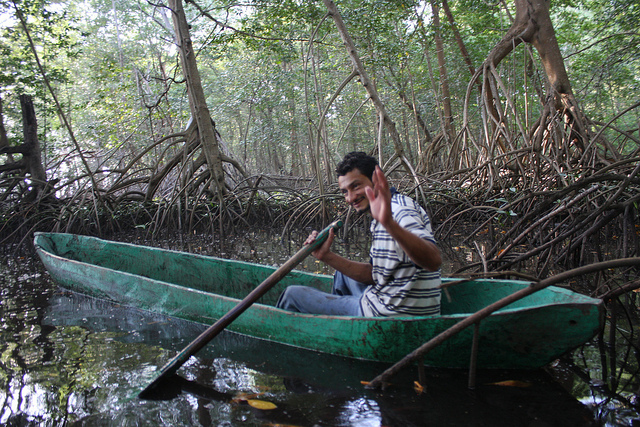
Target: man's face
[{"x": 352, "y": 186}]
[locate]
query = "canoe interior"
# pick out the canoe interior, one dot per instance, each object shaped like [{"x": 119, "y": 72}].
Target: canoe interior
[{"x": 236, "y": 279}]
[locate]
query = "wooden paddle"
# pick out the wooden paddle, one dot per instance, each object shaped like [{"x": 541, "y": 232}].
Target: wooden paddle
[{"x": 204, "y": 338}]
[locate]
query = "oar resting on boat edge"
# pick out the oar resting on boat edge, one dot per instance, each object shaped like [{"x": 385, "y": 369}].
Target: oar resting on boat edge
[{"x": 174, "y": 364}]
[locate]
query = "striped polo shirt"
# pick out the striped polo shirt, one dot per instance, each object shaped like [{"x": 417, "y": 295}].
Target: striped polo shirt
[{"x": 401, "y": 287}]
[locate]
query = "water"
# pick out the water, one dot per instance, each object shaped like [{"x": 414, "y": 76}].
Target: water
[{"x": 66, "y": 359}]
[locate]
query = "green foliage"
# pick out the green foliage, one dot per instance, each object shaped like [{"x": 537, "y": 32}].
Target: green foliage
[
  {"x": 277, "y": 28},
  {"x": 54, "y": 32},
  {"x": 602, "y": 46},
  {"x": 269, "y": 69}
]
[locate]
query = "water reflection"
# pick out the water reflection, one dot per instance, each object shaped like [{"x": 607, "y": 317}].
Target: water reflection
[
  {"x": 66, "y": 359},
  {"x": 363, "y": 412}
]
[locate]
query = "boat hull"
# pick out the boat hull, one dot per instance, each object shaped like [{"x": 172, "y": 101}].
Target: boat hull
[{"x": 527, "y": 334}]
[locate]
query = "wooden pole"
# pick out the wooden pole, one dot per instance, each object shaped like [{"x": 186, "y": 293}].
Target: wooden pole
[
  {"x": 473, "y": 363},
  {"x": 488, "y": 310},
  {"x": 174, "y": 364}
]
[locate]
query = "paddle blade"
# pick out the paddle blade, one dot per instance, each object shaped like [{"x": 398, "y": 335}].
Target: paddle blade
[{"x": 166, "y": 372}]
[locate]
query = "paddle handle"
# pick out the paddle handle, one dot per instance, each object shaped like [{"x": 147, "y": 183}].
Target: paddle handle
[{"x": 203, "y": 339}]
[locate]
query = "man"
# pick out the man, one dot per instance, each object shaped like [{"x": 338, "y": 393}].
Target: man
[{"x": 403, "y": 276}]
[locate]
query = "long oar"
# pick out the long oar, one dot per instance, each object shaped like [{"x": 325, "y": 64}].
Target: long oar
[{"x": 204, "y": 338}]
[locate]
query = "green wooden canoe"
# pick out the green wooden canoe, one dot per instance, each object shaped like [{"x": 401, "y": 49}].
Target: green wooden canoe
[{"x": 527, "y": 334}]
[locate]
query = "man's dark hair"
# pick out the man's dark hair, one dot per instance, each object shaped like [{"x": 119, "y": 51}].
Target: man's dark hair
[{"x": 365, "y": 163}]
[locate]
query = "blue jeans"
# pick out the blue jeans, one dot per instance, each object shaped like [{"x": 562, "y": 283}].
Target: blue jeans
[{"x": 344, "y": 299}]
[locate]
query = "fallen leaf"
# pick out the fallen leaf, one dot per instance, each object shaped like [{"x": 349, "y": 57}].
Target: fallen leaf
[
  {"x": 383, "y": 386},
  {"x": 261, "y": 404},
  {"x": 512, "y": 383},
  {"x": 418, "y": 387},
  {"x": 282, "y": 425},
  {"x": 243, "y": 397}
]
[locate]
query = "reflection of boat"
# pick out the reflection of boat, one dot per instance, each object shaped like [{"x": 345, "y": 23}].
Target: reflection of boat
[
  {"x": 132, "y": 326},
  {"x": 526, "y": 334},
  {"x": 297, "y": 380}
]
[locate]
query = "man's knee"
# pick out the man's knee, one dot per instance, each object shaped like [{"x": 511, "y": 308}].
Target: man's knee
[
  {"x": 344, "y": 285},
  {"x": 287, "y": 300}
]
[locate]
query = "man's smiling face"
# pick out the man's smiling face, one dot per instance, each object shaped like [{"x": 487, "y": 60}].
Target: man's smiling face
[{"x": 352, "y": 185}]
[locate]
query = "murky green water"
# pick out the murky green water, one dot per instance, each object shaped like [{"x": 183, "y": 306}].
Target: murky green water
[{"x": 66, "y": 359}]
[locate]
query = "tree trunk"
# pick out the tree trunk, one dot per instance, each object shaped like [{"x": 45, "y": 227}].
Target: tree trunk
[
  {"x": 364, "y": 78},
  {"x": 4, "y": 141},
  {"x": 297, "y": 156},
  {"x": 449, "y": 131},
  {"x": 197, "y": 100},
  {"x": 533, "y": 25},
  {"x": 31, "y": 162},
  {"x": 458, "y": 37},
  {"x": 32, "y": 145}
]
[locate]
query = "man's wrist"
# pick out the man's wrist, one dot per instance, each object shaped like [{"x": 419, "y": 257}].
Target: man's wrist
[
  {"x": 392, "y": 226},
  {"x": 326, "y": 257}
]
